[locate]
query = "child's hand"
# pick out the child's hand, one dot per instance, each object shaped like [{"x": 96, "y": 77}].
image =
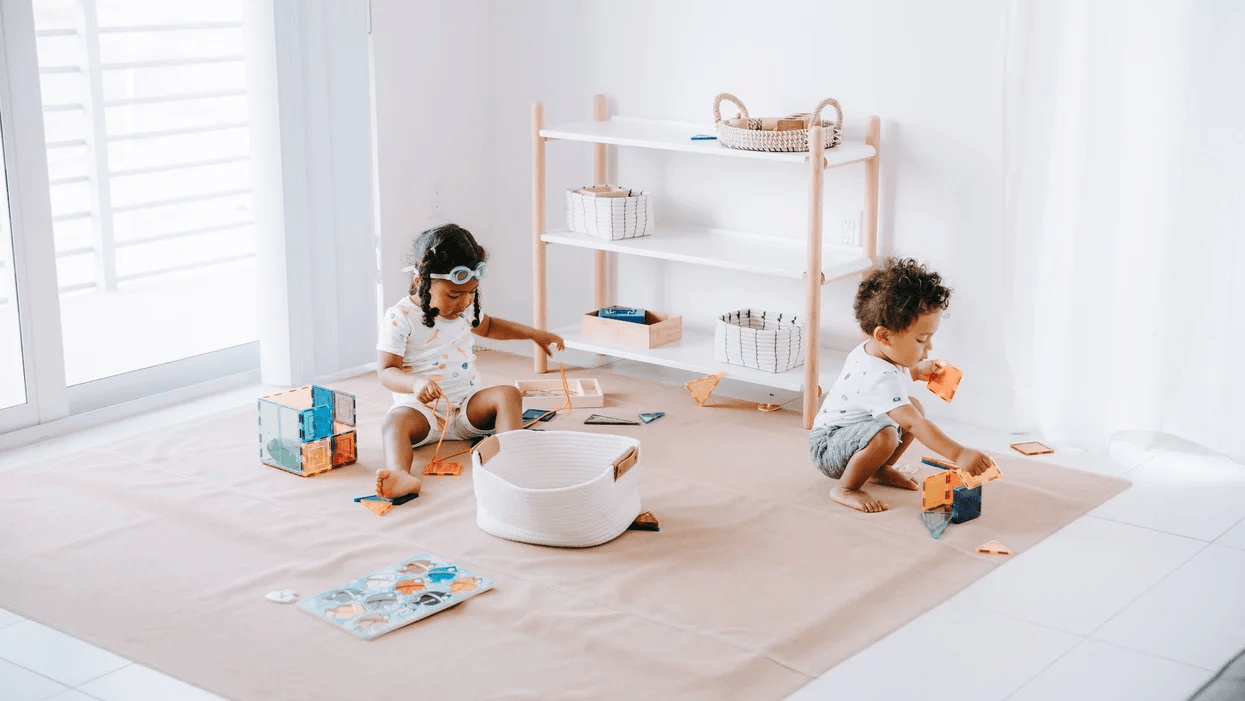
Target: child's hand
[
  {"x": 974, "y": 462},
  {"x": 924, "y": 370},
  {"x": 426, "y": 390},
  {"x": 544, "y": 339}
]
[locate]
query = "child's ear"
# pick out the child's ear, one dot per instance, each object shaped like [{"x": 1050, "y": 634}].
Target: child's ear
[{"x": 882, "y": 335}]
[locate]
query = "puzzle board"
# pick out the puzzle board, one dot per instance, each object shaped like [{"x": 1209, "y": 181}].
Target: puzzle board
[{"x": 377, "y": 603}]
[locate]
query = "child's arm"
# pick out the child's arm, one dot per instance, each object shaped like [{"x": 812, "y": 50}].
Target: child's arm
[
  {"x": 395, "y": 379},
  {"x": 502, "y": 330},
  {"x": 968, "y": 459}
]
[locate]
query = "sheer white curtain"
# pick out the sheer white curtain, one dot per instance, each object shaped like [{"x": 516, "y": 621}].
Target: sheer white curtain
[{"x": 1125, "y": 217}]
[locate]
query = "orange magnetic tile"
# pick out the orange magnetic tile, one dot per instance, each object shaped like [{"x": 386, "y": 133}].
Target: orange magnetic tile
[
  {"x": 992, "y": 473},
  {"x": 994, "y": 547},
  {"x": 318, "y": 456},
  {"x": 345, "y": 449},
  {"x": 1031, "y": 448},
  {"x": 377, "y": 507},
  {"x": 702, "y": 387},
  {"x": 938, "y": 489},
  {"x": 443, "y": 468},
  {"x": 945, "y": 382}
]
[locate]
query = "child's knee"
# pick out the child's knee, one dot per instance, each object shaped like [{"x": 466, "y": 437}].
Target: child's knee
[
  {"x": 885, "y": 440},
  {"x": 511, "y": 395},
  {"x": 403, "y": 421}
]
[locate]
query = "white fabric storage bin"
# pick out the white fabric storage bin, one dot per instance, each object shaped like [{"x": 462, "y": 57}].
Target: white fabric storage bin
[
  {"x": 562, "y": 488},
  {"x": 612, "y": 218},
  {"x": 759, "y": 340}
]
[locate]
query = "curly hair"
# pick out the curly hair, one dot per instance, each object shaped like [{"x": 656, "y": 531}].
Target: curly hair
[
  {"x": 438, "y": 251},
  {"x": 896, "y": 294}
]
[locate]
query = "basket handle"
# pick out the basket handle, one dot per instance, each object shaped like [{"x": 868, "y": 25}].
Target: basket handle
[
  {"x": 838, "y": 123},
  {"x": 626, "y": 461},
  {"x": 717, "y": 102},
  {"x": 487, "y": 448}
]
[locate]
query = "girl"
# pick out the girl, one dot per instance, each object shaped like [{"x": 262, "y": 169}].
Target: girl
[{"x": 425, "y": 357}]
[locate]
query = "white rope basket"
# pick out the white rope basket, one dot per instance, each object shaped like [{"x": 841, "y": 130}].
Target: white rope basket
[
  {"x": 753, "y": 134},
  {"x": 759, "y": 340},
  {"x": 612, "y": 218},
  {"x": 562, "y": 488}
]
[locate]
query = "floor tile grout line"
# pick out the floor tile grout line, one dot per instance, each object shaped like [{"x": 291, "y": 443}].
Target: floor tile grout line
[
  {"x": 1152, "y": 529},
  {"x": 1149, "y": 589},
  {"x": 57, "y": 681},
  {"x": 1039, "y": 673},
  {"x": 128, "y": 663}
]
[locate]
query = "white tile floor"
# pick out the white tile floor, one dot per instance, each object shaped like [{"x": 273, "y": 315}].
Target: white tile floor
[{"x": 1139, "y": 600}]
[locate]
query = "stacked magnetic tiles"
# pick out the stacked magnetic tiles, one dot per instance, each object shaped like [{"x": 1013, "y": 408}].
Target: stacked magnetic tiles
[
  {"x": 952, "y": 495},
  {"x": 307, "y": 430}
]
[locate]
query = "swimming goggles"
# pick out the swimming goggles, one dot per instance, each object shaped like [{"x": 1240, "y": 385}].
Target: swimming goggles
[{"x": 459, "y": 275}]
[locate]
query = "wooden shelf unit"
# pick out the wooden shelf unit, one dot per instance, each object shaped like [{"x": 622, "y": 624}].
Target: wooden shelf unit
[{"x": 811, "y": 259}]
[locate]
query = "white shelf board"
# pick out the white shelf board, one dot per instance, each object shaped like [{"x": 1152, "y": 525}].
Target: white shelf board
[
  {"x": 694, "y": 353},
  {"x": 767, "y": 255},
  {"x": 677, "y": 136}
]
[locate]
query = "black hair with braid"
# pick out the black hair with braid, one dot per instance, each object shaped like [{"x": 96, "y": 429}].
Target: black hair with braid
[
  {"x": 894, "y": 295},
  {"x": 438, "y": 251}
]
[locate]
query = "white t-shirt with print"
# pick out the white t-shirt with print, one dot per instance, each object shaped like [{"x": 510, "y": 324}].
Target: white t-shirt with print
[
  {"x": 446, "y": 349},
  {"x": 868, "y": 388}
]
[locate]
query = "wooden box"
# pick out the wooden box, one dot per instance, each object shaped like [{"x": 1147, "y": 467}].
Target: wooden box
[
  {"x": 549, "y": 394},
  {"x": 657, "y": 330}
]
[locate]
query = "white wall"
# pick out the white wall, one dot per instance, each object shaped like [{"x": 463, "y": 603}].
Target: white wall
[
  {"x": 431, "y": 89},
  {"x": 933, "y": 72}
]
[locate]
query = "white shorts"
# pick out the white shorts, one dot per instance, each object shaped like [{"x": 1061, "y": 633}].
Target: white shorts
[{"x": 458, "y": 429}]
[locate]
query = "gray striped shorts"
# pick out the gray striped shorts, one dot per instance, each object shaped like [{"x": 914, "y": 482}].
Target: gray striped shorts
[{"x": 831, "y": 447}]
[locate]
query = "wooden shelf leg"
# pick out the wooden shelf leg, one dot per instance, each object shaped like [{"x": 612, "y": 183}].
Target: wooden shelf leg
[
  {"x": 873, "y": 137},
  {"x": 601, "y": 258},
  {"x": 816, "y": 161},
  {"x": 540, "y": 362}
]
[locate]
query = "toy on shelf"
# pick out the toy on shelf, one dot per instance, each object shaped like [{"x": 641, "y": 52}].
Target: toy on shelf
[
  {"x": 702, "y": 387},
  {"x": 944, "y": 382},
  {"x": 307, "y": 430},
  {"x": 1031, "y": 448},
  {"x": 629, "y": 314}
]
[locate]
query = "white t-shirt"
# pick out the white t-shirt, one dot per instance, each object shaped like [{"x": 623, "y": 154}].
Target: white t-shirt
[
  {"x": 446, "y": 349},
  {"x": 867, "y": 388}
]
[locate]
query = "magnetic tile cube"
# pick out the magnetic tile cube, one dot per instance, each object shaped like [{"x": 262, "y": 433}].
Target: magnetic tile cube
[{"x": 307, "y": 430}]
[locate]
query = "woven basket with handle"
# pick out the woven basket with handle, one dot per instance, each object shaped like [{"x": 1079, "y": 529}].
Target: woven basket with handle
[{"x": 788, "y": 133}]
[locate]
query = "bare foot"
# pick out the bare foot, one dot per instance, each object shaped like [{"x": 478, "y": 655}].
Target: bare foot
[
  {"x": 857, "y": 499},
  {"x": 391, "y": 484},
  {"x": 889, "y": 476}
]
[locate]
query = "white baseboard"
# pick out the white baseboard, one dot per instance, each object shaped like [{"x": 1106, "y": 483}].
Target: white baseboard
[{"x": 92, "y": 419}]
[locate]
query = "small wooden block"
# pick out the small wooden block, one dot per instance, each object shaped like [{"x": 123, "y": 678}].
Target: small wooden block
[
  {"x": 702, "y": 387},
  {"x": 645, "y": 522},
  {"x": 1031, "y": 448},
  {"x": 377, "y": 507},
  {"x": 443, "y": 468},
  {"x": 945, "y": 382},
  {"x": 768, "y": 407},
  {"x": 994, "y": 547}
]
